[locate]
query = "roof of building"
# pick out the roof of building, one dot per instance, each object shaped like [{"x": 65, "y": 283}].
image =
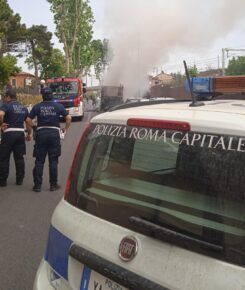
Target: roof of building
[
  {"x": 27, "y": 74},
  {"x": 161, "y": 75},
  {"x": 210, "y": 73}
]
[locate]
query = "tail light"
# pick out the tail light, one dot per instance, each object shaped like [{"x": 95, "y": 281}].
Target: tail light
[
  {"x": 77, "y": 102},
  {"x": 69, "y": 181},
  {"x": 161, "y": 124}
]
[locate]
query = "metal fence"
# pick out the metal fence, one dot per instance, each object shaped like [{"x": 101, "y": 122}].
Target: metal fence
[{"x": 28, "y": 90}]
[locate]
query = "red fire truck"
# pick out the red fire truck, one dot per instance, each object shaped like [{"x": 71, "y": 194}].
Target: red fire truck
[{"x": 69, "y": 92}]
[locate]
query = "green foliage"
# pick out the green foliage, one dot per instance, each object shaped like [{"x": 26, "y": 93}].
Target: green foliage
[
  {"x": 7, "y": 68},
  {"x": 11, "y": 30},
  {"x": 236, "y": 66},
  {"x": 40, "y": 47},
  {"x": 95, "y": 56},
  {"x": 5, "y": 13},
  {"x": 53, "y": 65},
  {"x": 98, "y": 56},
  {"x": 74, "y": 28},
  {"x": 178, "y": 79},
  {"x": 102, "y": 56},
  {"x": 193, "y": 71}
]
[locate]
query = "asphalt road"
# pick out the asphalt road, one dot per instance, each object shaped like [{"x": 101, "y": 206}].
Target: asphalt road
[{"x": 25, "y": 216}]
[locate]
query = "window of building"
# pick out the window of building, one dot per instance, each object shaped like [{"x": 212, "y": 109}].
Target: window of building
[{"x": 14, "y": 83}]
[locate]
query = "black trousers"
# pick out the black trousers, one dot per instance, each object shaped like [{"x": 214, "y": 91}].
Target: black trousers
[
  {"x": 12, "y": 142},
  {"x": 47, "y": 143}
]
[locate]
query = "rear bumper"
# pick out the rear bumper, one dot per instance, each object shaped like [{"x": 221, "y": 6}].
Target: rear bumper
[
  {"x": 76, "y": 111},
  {"x": 47, "y": 279},
  {"x": 42, "y": 280}
]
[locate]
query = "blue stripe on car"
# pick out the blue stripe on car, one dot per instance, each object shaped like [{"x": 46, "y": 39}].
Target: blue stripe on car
[
  {"x": 85, "y": 278},
  {"x": 57, "y": 252}
]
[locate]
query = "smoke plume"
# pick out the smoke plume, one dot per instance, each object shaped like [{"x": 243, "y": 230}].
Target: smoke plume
[{"x": 143, "y": 33}]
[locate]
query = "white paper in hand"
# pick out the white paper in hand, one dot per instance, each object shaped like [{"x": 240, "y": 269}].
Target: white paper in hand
[{"x": 62, "y": 135}]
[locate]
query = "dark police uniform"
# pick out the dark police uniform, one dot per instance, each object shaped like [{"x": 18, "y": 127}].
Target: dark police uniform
[
  {"x": 47, "y": 139},
  {"x": 13, "y": 140}
]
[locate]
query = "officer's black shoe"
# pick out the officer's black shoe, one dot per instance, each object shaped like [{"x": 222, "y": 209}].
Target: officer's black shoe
[
  {"x": 19, "y": 181},
  {"x": 36, "y": 188},
  {"x": 3, "y": 183},
  {"x": 54, "y": 187}
]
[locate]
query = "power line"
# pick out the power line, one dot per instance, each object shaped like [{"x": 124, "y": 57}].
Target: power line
[
  {"x": 226, "y": 50},
  {"x": 200, "y": 62}
]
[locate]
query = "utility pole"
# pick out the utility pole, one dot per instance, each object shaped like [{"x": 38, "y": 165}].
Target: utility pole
[
  {"x": 223, "y": 61},
  {"x": 226, "y": 50},
  {"x": 139, "y": 65}
]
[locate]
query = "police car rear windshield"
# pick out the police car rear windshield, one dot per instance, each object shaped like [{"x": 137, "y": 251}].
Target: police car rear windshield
[
  {"x": 153, "y": 181},
  {"x": 64, "y": 88}
]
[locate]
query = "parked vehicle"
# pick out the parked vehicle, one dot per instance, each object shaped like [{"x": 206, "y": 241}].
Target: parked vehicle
[
  {"x": 69, "y": 92},
  {"x": 131, "y": 100},
  {"x": 155, "y": 200},
  {"x": 214, "y": 86},
  {"x": 110, "y": 96}
]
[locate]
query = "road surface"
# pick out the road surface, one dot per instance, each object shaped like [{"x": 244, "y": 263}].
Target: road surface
[{"x": 25, "y": 216}]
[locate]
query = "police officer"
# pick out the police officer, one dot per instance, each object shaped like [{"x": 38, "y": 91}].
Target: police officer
[
  {"x": 47, "y": 140},
  {"x": 12, "y": 117}
]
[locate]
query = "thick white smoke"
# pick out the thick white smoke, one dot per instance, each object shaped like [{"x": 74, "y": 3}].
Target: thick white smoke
[{"x": 143, "y": 33}]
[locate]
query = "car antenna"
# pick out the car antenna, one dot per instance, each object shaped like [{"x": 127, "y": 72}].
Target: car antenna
[{"x": 194, "y": 102}]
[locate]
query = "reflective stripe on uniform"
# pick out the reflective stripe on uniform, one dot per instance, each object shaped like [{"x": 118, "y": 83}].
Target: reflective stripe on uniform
[
  {"x": 48, "y": 127},
  {"x": 14, "y": 130}
]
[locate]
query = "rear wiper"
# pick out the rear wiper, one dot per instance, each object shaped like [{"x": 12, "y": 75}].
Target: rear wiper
[{"x": 166, "y": 234}]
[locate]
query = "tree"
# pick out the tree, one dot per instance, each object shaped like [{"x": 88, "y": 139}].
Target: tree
[
  {"x": 102, "y": 55},
  {"x": 11, "y": 30},
  {"x": 236, "y": 66},
  {"x": 74, "y": 22},
  {"x": 98, "y": 57},
  {"x": 53, "y": 65},
  {"x": 95, "y": 56},
  {"x": 193, "y": 71},
  {"x": 178, "y": 79},
  {"x": 40, "y": 46},
  {"x": 7, "y": 68}
]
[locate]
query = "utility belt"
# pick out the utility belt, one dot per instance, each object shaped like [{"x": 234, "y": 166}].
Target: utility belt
[
  {"x": 61, "y": 133},
  {"x": 14, "y": 130},
  {"x": 48, "y": 127}
]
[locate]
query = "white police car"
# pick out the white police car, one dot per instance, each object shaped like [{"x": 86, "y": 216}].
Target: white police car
[{"x": 155, "y": 200}]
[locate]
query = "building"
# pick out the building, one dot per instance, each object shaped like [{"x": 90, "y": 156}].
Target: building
[
  {"x": 161, "y": 79},
  {"x": 210, "y": 73},
  {"x": 22, "y": 80}
]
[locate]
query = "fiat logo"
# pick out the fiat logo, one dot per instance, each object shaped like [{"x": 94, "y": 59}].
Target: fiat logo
[{"x": 128, "y": 248}]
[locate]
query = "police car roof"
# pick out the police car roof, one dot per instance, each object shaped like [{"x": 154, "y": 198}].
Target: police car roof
[{"x": 218, "y": 116}]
